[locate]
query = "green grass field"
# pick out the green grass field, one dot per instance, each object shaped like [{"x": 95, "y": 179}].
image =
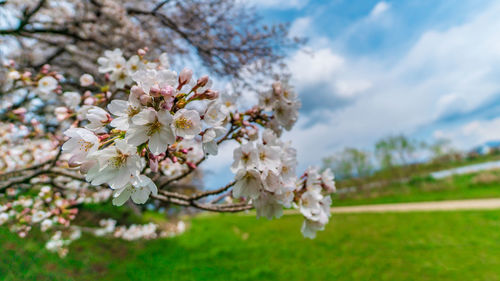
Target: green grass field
[
  {"x": 477, "y": 185},
  {"x": 391, "y": 246}
]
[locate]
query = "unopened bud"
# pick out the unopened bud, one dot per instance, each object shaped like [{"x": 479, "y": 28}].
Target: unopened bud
[
  {"x": 153, "y": 162},
  {"x": 141, "y": 52},
  {"x": 145, "y": 99},
  {"x": 167, "y": 91},
  {"x": 210, "y": 94},
  {"x": 86, "y": 80},
  {"x": 202, "y": 81},
  {"x": 136, "y": 90},
  {"x": 90, "y": 101},
  {"x": 19, "y": 111},
  {"x": 26, "y": 75},
  {"x": 277, "y": 88},
  {"x": 185, "y": 76},
  {"x": 155, "y": 91}
]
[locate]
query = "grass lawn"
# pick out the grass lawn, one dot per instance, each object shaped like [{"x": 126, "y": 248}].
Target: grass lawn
[
  {"x": 391, "y": 246},
  {"x": 477, "y": 185}
]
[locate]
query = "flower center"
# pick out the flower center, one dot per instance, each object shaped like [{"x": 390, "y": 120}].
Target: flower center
[
  {"x": 183, "y": 123},
  {"x": 262, "y": 156},
  {"x": 154, "y": 127},
  {"x": 85, "y": 145},
  {"x": 119, "y": 160},
  {"x": 245, "y": 157},
  {"x": 132, "y": 111}
]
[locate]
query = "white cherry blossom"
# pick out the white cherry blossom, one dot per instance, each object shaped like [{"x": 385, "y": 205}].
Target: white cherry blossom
[
  {"x": 245, "y": 157},
  {"x": 112, "y": 61},
  {"x": 248, "y": 184},
  {"x": 139, "y": 191},
  {"x": 46, "y": 86},
  {"x": 210, "y": 139},
  {"x": 215, "y": 114},
  {"x": 147, "y": 78},
  {"x": 97, "y": 117},
  {"x": 86, "y": 80},
  {"x": 153, "y": 126},
  {"x": 124, "y": 112},
  {"x": 81, "y": 143},
  {"x": 117, "y": 165},
  {"x": 186, "y": 123},
  {"x": 72, "y": 99}
]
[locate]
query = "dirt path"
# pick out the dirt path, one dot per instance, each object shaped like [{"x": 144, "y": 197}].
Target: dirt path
[{"x": 450, "y": 205}]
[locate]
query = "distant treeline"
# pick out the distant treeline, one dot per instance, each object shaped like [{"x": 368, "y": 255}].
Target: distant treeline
[{"x": 392, "y": 158}]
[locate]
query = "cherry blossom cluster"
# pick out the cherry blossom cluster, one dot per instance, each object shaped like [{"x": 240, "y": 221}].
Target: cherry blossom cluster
[
  {"x": 136, "y": 232},
  {"x": 152, "y": 124},
  {"x": 314, "y": 200},
  {"x": 136, "y": 132},
  {"x": 17, "y": 151},
  {"x": 265, "y": 173},
  {"x": 48, "y": 210},
  {"x": 170, "y": 121}
]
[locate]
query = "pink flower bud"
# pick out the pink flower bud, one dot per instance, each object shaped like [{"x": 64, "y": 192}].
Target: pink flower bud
[
  {"x": 141, "y": 52},
  {"x": 185, "y": 76},
  {"x": 136, "y": 90},
  {"x": 145, "y": 99},
  {"x": 174, "y": 159},
  {"x": 168, "y": 103},
  {"x": 26, "y": 75},
  {"x": 153, "y": 163},
  {"x": 155, "y": 91},
  {"x": 167, "y": 91},
  {"x": 202, "y": 81},
  {"x": 210, "y": 94},
  {"x": 191, "y": 165},
  {"x": 19, "y": 111},
  {"x": 90, "y": 101}
]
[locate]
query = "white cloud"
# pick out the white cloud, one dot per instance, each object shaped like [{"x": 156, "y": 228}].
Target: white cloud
[
  {"x": 301, "y": 27},
  {"x": 445, "y": 72},
  {"x": 379, "y": 8},
  {"x": 325, "y": 75},
  {"x": 472, "y": 133}
]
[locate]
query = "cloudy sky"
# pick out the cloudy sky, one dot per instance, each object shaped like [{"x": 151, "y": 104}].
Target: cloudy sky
[{"x": 425, "y": 68}]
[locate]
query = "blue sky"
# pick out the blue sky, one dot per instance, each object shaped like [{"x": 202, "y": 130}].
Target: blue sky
[{"x": 429, "y": 69}]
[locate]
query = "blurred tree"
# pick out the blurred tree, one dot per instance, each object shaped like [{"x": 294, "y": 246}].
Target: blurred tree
[
  {"x": 350, "y": 163},
  {"x": 227, "y": 36},
  {"x": 442, "y": 150},
  {"x": 395, "y": 150}
]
